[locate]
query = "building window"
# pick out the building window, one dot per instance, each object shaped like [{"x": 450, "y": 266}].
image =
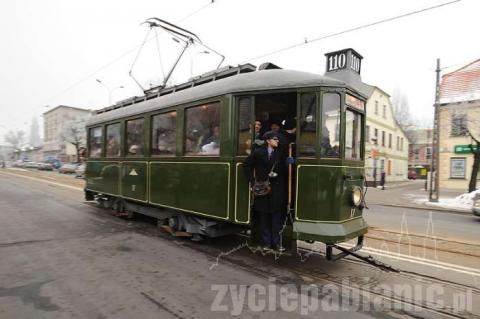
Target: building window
[
  {"x": 367, "y": 134},
  {"x": 308, "y": 125},
  {"x": 428, "y": 152},
  {"x": 163, "y": 133},
  {"x": 401, "y": 144},
  {"x": 96, "y": 142},
  {"x": 135, "y": 137},
  {"x": 383, "y": 138},
  {"x": 384, "y": 112},
  {"x": 459, "y": 124},
  {"x": 389, "y": 140},
  {"x": 398, "y": 143},
  {"x": 329, "y": 146},
  {"x": 202, "y": 133},
  {"x": 375, "y": 133},
  {"x": 376, "y": 107},
  {"x": 113, "y": 140},
  {"x": 458, "y": 167}
]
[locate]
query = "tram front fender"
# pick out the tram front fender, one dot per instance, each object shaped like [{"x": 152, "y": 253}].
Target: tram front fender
[{"x": 330, "y": 233}]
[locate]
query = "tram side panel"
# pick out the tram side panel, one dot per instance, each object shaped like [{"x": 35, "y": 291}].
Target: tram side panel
[
  {"x": 201, "y": 188},
  {"x": 103, "y": 177}
]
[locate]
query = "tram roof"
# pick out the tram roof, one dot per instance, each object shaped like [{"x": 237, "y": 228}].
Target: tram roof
[{"x": 273, "y": 79}]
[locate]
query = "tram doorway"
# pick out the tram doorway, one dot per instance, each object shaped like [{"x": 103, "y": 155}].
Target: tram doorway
[{"x": 278, "y": 111}]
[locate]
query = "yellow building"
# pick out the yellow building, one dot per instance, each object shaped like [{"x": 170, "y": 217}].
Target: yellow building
[
  {"x": 459, "y": 114},
  {"x": 386, "y": 145}
]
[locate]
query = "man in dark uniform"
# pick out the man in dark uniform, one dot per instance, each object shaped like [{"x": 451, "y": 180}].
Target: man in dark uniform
[{"x": 269, "y": 163}]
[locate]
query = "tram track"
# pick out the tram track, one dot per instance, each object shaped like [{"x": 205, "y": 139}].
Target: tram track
[{"x": 371, "y": 293}]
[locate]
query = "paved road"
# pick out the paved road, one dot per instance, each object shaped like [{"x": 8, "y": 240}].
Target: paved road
[
  {"x": 461, "y": 227},
  {"x": 63, "y": 258}
]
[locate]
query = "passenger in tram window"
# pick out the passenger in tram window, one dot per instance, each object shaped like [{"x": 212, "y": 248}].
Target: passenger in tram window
[
  {"x": 133, "y": 150},
  {"x": 212, "y": 142},
  {"x": 113, "y": 148},
  {"x": 258, "y": 134},
  {"x": 289, "y": 130},
  {"x": 268, "y": 162}
]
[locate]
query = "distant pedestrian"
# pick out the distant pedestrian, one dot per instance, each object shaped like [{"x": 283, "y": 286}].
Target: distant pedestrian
[{"x": 382, "y": 180}]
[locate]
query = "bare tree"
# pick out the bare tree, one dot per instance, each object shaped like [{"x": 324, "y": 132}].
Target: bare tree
[
  {"x": 401, "y": 110},
  {"x": 475, "y": 149},
  {"x": 73, "y": 132},
  {"x": 15, "y": 138}
]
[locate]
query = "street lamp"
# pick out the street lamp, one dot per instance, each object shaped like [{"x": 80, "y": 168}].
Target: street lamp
[
  {"x": 110, "y": 91},
  {"x": 191, "y": 60}
]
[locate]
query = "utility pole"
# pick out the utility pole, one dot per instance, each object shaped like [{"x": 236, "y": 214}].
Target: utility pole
[{"x": 434, "y": 169}]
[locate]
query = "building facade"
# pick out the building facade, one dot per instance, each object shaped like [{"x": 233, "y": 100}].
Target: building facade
[
  {"x": 459, "y": 116},
  {"x": 386, "y": 145},
  {"x": 420, "y": 151},
  {"x": 57, "y": 124}
]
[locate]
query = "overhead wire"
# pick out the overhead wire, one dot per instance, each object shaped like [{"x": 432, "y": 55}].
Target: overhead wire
[
  {"x": 129, "y": 51},
  {"x": 363, "y": 26}
]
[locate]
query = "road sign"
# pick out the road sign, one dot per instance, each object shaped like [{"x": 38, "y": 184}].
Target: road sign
[{"x": 464, "y": 149}]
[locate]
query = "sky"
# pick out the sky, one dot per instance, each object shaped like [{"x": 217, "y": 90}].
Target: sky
[{"x": 53, "y": 51}]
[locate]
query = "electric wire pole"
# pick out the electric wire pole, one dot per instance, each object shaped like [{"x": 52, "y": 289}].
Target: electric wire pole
[{"x": 434, "y": 169}]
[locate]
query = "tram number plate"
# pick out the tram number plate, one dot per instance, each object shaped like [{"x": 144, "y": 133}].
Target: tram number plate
[{"x": 353, "y": 211}]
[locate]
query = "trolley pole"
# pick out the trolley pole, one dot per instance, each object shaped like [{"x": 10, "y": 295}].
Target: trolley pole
[{"x": 434, "y": 167}]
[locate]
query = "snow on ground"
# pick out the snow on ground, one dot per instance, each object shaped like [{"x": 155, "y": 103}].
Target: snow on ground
[{"x": 462, "y": 202}]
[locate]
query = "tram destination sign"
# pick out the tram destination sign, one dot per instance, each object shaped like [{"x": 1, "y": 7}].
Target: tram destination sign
[
  {"x": 464, "y": 149},
  {"x": 344, "y": 59}
]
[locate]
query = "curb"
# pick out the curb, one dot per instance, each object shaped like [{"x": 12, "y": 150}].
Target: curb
[{"x": 443, "y": 210}]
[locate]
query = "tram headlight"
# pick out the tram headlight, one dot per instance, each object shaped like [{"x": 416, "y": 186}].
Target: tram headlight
[{"x": 357, "y": 195}]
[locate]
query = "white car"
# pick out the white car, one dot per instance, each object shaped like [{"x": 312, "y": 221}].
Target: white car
[{"x": 476, "y": 205}]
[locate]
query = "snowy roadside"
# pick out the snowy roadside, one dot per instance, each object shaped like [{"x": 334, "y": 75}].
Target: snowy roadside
[{"x": 463, "y": 202}]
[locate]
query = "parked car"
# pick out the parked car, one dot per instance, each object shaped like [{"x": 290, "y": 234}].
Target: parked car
[
  {"x": 476, "y": 205},
  {"x": 68, "y": 168},
  {"x": 18, "y": 163},
  {"x": 31, "y": 165},
  {"x": 412, "y": 175},
  {"x": 55, "y": 162},
  {"x": 45, "y": 167},
  {"x": 80, "y": 171}
]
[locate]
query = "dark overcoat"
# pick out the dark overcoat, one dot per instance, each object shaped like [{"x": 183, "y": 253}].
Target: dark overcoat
[{"x": 256, "y": 167}]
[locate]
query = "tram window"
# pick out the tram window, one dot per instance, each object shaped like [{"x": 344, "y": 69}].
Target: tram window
[
  {"x": 96, "y": 142},
  {"x": 163, "y": 133},
  {"x": 353, "y": 135},
  {"x": 202, "y": 135},
  {"x": 308, "y": 125},
  {"x": 330, "y": 144},
  {"x": 113, "y": 140},
  {"x": 135, "y": 137},
  {"x": 245, "y": 131}
]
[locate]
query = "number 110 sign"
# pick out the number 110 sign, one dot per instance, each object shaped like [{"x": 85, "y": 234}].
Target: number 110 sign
[{"x": 347, "y": 58}]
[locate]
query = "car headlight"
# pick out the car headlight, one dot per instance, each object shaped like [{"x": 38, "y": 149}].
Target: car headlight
[
  {"x": 477, "y": 203},
  {"x": 357, "y": 196}
]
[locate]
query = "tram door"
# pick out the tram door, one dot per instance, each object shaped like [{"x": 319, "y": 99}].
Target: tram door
[{"x": 245, "y": 132}]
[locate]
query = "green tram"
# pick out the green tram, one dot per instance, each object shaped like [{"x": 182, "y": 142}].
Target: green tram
[{"x": 176, "y": 153}]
